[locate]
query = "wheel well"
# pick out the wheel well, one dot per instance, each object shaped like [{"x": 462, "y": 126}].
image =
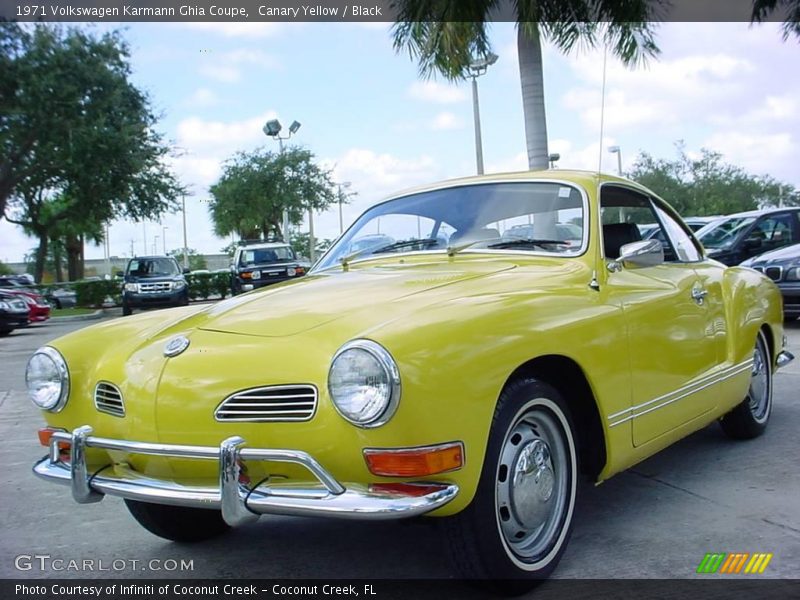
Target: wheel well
[
  {"x": 770, "y": 343},
  {"x": 567, "y": 377}
]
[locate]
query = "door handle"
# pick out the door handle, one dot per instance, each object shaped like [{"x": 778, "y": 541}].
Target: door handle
[{"x": 699, "y": 295}]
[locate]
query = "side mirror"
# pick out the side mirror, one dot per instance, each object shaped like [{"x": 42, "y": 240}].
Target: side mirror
[
  {"x": 119, "y": 274},
  {"x": 185, "y": 271},
  {"x": 645, "y": 253},
  {"x": 753, "y": 243}
]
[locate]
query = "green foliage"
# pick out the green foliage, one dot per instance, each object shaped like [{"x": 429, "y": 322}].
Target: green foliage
[
  {"x": 95, "y": 293},
  {"x": 300, "y": 244},
  {"x": 256, "y": 187},
  {"x": 205, "y": 285},
  {"x": 197, "y": 262},
  {"x": 705, "y": 185},
  {"x": 445, "y": 36},
  {"x": 5, "y": 269},
  {"x": 788, "y": 10},
  {"x": 78, "y": 144}
]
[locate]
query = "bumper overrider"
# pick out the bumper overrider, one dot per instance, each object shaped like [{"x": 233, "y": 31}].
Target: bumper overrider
[{"x": 238, "y": 502}]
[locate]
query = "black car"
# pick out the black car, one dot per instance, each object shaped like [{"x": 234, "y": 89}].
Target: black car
[
  {"x": 263, "y": 263},
  {"x": 740, "y": 236},
  {"x": 783, "y": 267},
  {"x": 13, "y": 313},
  {"x": 153, "y": 282}
]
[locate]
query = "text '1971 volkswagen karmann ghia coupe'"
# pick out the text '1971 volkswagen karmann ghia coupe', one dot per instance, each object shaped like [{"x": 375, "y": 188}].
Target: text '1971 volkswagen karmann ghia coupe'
[{"x": 450, "y": 371}]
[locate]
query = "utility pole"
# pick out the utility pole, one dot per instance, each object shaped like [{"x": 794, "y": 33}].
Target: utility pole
[{"x": 185, "y": 243}]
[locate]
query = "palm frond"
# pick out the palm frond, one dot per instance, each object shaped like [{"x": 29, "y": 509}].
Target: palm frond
[{"x": 764, "y": 9}]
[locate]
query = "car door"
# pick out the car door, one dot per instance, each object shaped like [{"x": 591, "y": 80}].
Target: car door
[
  {"x": 672, "y": 350},
  {"x": 770, "y": 232}
]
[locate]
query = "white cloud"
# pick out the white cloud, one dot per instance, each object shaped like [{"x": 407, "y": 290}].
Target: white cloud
[
  {"x": 221, "y": 73},
  {"x": 445, "y": 121},
  {"x": 432, "y": 91},
  {"x": 242, "y": 30},
  {"x": 202, "y": 97},
  {"x": 251, "y": 57},
  {"x": 198, "y": 135},
  {"x": 757, "y": 152}
]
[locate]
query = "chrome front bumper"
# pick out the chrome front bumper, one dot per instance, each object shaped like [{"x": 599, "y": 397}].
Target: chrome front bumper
[{"x": 238, "y": 502}]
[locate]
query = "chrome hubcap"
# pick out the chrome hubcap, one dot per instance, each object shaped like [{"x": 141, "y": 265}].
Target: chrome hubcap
[
  {"x": 758, "y": 396},
  {"x": 532, "y": 484}
]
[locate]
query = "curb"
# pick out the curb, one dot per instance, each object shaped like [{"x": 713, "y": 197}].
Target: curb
[{"x": 98, "y": 314}]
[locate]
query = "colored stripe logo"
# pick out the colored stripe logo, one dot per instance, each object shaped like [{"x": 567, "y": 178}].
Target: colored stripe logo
[{"x": 734, "y": 563}]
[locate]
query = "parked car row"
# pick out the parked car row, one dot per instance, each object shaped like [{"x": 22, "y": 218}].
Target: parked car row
[{"x": 36, "y": 306}]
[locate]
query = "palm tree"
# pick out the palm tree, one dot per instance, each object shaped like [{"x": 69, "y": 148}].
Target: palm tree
[
  {"x": 788, "y": 9},
  {"x": 445, "y": 36}
]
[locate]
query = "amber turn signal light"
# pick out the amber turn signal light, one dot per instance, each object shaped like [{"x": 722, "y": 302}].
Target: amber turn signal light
[
  {"x": 415, "y": 462},
  {"x": 46, "y": 433}
]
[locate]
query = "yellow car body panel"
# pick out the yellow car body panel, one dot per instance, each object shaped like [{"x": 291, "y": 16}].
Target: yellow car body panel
[{"x": 458, "y": 327}]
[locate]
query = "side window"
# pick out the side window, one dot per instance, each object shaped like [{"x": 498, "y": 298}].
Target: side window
[
  {"x": 684, "y": 246},
  {"x": 770, "y": 233}
]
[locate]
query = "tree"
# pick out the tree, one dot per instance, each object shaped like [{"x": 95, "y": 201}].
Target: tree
[
  {"x": 196, "y": 261},
  {"x": 788, "y": 9},
  {"x": 256, "y": 187},
  {"x": 301, "y": 242},
  {"x": 706, "y": 185},
  {"x": 445, "y": 36},
  {"x": 78, "y": 139}
]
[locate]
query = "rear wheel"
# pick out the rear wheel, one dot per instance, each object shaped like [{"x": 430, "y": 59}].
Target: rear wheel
[
  {"x": 515, "y": 530},
  {"x": 178, "y": 523},
  {"x": 749, "y": 419}
]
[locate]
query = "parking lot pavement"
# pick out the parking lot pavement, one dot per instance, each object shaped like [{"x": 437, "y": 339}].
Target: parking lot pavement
[{"x": 657, "y": 520}]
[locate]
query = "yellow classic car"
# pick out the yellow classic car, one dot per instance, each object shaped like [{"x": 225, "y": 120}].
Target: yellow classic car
[{"x": 509, "y": 336}]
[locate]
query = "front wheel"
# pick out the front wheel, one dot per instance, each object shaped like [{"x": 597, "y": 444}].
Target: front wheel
[
  {"x": 178, "y": 523},
  {"x": 749, "y": 419},
  {"x": 515, "y": 530}
]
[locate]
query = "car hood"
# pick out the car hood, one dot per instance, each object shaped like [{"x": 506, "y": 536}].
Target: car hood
[
  {"x": 152, "y": 278},
  {"x": 315, "y": 300},
  {"x": 780, "y": 255}
]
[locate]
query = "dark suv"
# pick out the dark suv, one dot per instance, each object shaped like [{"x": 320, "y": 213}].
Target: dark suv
[
  {"x": 257, "y": 264},
  {"x": 153, "y": 281},
  {"x": 736, "y": 238}
]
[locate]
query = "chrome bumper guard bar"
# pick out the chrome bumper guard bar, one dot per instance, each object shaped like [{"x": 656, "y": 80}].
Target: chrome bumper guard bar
[
  {"x": 239, "y": 503},
  {"x": 784, "y": 358}
]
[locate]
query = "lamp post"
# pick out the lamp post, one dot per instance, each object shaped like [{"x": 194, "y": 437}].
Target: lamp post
[
  {"x": 185, "y": 243},
  {"x": 342, "y": 186},
  {"x": 272, "y": 129},
  {"x": 618, "y": 151},
  {"x": 164, "y": 238},
  {"x": 478, "y": 68},
  {"x": 155, "y": 244}
]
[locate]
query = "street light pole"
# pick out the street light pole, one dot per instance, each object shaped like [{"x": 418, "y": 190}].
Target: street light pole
[
  {"x": 341, "y": 186},
  {"x": 478, "y": 68},
  {"x": 272, "y": 129},
  {"x": 618, "y": 151},
  {"x": 164, "y": 238},
  {"x": 185, "y": 243}
]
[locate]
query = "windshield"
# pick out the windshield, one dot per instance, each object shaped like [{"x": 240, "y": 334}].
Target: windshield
[
  {"x": 153, "y": 267},
  {"x": 723, "y": 233},
  {"x": 260, "y": 256},
  {"x": 537, "y": 217}
]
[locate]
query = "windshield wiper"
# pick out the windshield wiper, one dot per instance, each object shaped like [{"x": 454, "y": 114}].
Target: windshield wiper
[
  {"x": 403, "y": 243},
  {"x": 528, "y": 242}
]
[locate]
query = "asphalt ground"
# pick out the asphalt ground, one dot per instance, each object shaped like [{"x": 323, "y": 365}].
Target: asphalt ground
[{"x": 657, "y": 520}]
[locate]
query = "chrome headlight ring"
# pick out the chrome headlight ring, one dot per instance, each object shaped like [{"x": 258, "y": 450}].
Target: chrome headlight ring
[
  {"x": 369, "y": 350},
  {"x": 48, "y": 358}
]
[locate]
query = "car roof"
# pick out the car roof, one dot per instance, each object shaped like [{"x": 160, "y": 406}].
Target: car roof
[
  {"x": 761, "y": 211},
  {"x": 263, "y": 245}
]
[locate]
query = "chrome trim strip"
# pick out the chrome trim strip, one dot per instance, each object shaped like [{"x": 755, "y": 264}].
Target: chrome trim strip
[
  {"x": 681, "y": 393},
  {"x": 237, "y": 501},
  {"x": 269, "y": 397},
  {"x": 109, "y": 403}
]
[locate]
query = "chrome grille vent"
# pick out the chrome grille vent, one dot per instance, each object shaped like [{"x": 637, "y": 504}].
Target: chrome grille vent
[
  {"x": 774, "y": 273},
  {"x": 108, "y": 399},
  {"x": 273, "y": 403},
  {"x": 155, "y": 287}
]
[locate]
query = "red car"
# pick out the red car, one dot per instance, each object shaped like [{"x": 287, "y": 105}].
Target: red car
[{"x": 38, "y": 308}]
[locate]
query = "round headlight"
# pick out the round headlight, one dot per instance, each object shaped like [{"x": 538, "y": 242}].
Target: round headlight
[
  {"x": 364, "y": 383},
  {"x": 47, "y": 378},
  {"x": 132, "y": 287}
]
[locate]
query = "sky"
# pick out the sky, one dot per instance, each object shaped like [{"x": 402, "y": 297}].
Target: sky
[{"x": 367, "y": 115}]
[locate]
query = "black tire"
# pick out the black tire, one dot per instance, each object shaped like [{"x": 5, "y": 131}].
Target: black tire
[
  {"x": 126, "y": 310},
  {"x": 749, "y": 419},
  {"x": 512, "y": 536},
  {"x": 178, "y": 523},
  {"x": 5, "y": 332},
  {"x": 57, "y": 302}
]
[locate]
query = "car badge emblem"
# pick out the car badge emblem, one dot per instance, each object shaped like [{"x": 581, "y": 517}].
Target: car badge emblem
[{"x": 176, "y": 345}]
